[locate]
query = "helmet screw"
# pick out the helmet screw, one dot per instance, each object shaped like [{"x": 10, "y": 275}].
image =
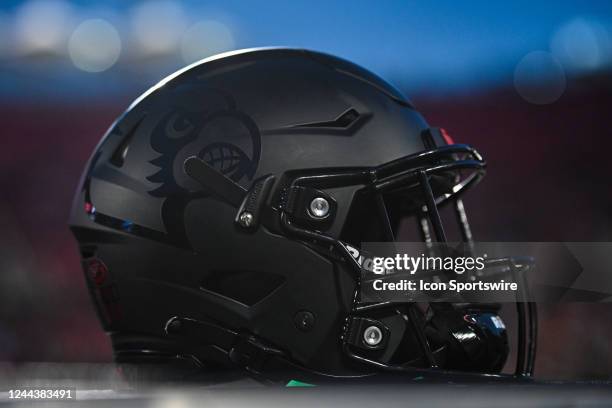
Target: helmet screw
[
  {"x": 246, "y": 219},
  {"x": 319, "y": 207},
  {"x": 304, "y": 320},
  {"x": 372, "y": 336}
]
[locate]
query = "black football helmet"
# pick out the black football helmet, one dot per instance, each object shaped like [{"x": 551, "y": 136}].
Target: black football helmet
[{"x": 220, "y": 221}]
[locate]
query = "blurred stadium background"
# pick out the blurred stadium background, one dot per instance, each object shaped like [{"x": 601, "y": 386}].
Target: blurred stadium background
[{"x": 527, "y": 82}]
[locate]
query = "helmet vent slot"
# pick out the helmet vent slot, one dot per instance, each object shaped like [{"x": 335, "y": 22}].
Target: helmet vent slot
[
  {"x": 343, "y": 121},
  {"x": 120, "y": 153}
]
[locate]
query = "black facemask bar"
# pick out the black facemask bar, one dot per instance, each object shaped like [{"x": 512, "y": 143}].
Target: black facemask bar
[
  {"x": 416, "y": 170},
  {"x": 289, "y": 215}
]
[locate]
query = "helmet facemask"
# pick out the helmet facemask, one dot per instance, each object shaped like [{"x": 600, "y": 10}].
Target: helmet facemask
[{"x": 451, "y": 335}]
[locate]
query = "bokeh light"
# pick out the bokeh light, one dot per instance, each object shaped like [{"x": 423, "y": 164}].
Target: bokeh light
[
  {"x": 539, "y": 78},
  {"x": 582, "y": 45},
  {"x": 94, "y": 46},
  {"x": 204, "y": 39},
  {"x": 157, "y": 26},
  {"x": 43, "y": 26}
]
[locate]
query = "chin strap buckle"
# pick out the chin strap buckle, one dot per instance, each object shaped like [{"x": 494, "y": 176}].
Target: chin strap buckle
[{"x": 250, "y": 353}]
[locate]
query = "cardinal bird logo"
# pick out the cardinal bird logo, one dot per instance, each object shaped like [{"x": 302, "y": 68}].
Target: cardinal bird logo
[{"x": 218, "y": 133}]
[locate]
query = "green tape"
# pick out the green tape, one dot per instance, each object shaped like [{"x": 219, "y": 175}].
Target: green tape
[{"x": 296, "y": 383}]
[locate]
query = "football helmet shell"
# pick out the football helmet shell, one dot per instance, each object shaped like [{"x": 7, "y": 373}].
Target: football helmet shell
[{"x": 218, "y": 215}]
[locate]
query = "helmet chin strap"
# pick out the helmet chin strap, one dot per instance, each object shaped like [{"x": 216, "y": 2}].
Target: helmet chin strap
[
  {"x": 266, "y": 363},
  {"x": 243, "y": 351}
]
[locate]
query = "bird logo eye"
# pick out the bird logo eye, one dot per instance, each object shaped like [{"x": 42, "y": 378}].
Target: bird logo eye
[{"x": 179, "y": 125}]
